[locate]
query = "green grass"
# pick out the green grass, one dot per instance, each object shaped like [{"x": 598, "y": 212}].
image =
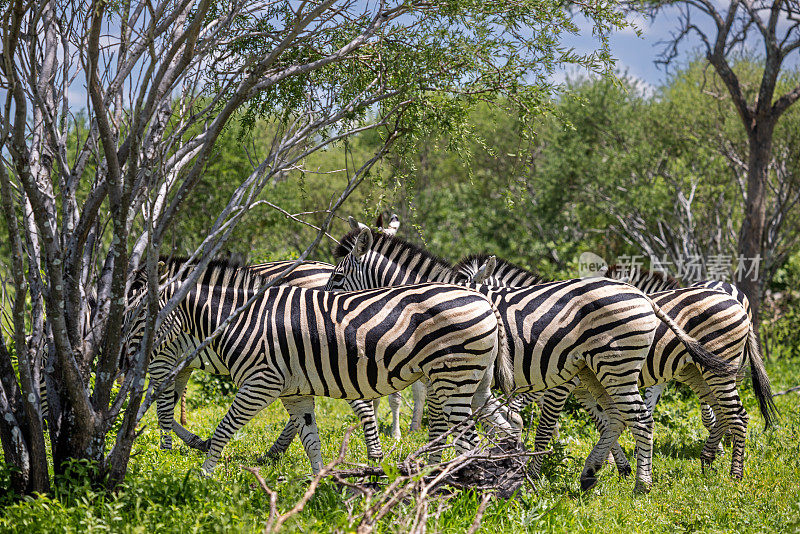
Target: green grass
[{"x": 164, "y": 493}]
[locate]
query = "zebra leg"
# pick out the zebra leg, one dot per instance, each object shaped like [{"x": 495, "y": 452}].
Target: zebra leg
[
  {"x": 691, "y": 377},
  {"x": 376, "y": 403},
  {"x": 192, "y": 440},
  {"x": 395, "y": 399},
  {"x": 589, "y": 404},
  {"x": 420, "y": 391},
  {"x": 652, "y": 395},
  {"x": 436, "y": 427},
  {"x": 734, "y": 418},
  {"x": 623, "y": 405},
  {"x": 492, "y": 411},
  {"x": 281, "y": 444},
  {"x": 301, "y": 413},
  {"x": 456, "y": 408},
  {"x": 366, "y": 414},
  {"x": 552, "y": 402},
  {"x": 251, "y": 398},
  {"x": 707, "y": 416},
  {"x": 710, "y": 421},
  {"x": 165, "y": 404}
]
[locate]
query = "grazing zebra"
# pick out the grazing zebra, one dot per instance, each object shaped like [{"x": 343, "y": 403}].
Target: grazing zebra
[
  {"x": 309, "y": 274},
  {"x": 599, "y": 330},
  {"x": 295, "y": 343},
  {"x": 716, "y": 319},
  {"x": 653, "y": 281}
]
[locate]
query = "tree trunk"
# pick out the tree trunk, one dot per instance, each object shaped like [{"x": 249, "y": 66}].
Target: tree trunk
[
  {"x": 70, "y": 442},
  {"x": 31, "y": 475},
  {"x": 751, "y": 238}
]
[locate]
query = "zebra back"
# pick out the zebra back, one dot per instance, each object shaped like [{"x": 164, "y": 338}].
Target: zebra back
[
  {"x": 647, "y": 281},
  {"x": 730, "y": 289},
  {"x": 309, "y": 274}
]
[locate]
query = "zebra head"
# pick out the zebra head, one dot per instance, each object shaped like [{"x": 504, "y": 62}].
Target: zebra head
[{"x": 351, "y": 274}]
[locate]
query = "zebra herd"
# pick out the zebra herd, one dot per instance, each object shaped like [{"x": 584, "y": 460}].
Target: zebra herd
[{"x": 392, "y": 315}]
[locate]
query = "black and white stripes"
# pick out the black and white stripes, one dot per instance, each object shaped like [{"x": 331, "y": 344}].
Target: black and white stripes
[
  {"x": 295, "y": 343},
  {"x": 598, "y": 329}
]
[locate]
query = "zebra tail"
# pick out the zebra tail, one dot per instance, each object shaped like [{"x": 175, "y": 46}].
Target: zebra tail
[
  {"x": 700, "y": 354},
  {"x": 761, "y": 385},
  {"x": 503, "y": 367}
]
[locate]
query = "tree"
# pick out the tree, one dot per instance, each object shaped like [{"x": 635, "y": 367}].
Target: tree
[
  {"x": 776, "y": 25},
  {"x": 88, "y": 199}
]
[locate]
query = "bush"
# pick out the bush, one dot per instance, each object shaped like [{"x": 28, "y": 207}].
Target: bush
[{"x": 211, "y": 389}]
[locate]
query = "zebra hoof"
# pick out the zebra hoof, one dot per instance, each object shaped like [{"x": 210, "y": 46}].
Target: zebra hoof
[
  {"x": 642, "y": 487},
  {"x": 706, "y": 464},
  {"x": 588, "y": 480},
  {"x": 624, "y": 471},
  {"x": 588, "y": 483}
]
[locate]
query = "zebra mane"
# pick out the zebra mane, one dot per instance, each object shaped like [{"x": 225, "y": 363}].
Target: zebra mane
[
  {"x": 504, "y": 272},
  {"x": 394, "y": 246},
  {"x": 222, "y": 272},
  {"x": 643, "y": 279}
]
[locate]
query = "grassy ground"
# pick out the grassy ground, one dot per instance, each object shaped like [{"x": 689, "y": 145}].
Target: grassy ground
[{"x": 164, "y": 493}]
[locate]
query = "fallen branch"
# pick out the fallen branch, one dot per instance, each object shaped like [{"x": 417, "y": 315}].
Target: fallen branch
[
  {"x": 790, "y": 390},
  {"x": 275, "y": 521},
  {"x": 494, "y": 468}
]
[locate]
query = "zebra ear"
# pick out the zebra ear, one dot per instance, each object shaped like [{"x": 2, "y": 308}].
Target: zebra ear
[
  {"x": 363, "y": 243},
  {"x": 162, "y": 268},
  {"x": 485, "y": 271},
  {"x": 354, "y": 224},
  {"x": 379, "y": 221},
  {"x": 394, "y": 225}
]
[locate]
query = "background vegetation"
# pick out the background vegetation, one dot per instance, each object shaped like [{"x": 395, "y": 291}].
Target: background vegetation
[{"x": 614, "y": 168}]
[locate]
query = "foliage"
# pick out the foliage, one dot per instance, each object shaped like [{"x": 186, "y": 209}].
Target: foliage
[
  {"x": 211, "y": 389},
  {"x": 780, "y": 335},
  {"x": 173, "y": 90},
  {"x": 164, "y": 493}
]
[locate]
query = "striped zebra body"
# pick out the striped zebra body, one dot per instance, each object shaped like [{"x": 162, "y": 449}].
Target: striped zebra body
[
  {"x": 597, "y": 329},
  {"x": 719, "y": 321},
  {"x": 294, "y": 343},
  {"x": 312, "y": 275},
  {"x": 309, "y": 275},
  {"x": 651, "y": 281}
]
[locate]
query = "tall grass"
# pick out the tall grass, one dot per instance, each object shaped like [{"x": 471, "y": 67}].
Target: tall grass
[{"x": 164, "y": 492}]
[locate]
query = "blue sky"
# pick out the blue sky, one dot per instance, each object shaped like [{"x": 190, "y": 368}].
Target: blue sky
[{"x": 636, "y": 55}]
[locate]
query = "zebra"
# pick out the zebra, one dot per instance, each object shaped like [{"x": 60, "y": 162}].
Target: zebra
[
  {"x": 599, "y": 330},
  {"x": 653, "y": 281},
  {"x": 294, "y": 343},
  {"x": 309, "y": 274},
  {"x": 715, "y": 318}
]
